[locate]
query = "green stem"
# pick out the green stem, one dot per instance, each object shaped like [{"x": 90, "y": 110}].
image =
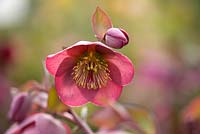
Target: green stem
[{"x": 83, "y": 125}]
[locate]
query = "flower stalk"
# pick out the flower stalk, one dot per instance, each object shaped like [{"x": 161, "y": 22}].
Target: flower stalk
[{"x": 83, "y": 125}]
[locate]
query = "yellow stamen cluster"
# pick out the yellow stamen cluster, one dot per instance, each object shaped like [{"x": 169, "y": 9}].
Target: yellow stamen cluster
[{"x": 91, "y": 71}]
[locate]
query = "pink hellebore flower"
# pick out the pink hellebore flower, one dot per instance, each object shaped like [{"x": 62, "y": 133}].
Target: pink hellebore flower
[{"x": 89, "y": 72}]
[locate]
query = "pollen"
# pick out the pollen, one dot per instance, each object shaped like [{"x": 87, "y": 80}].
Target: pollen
[{"x": 91, "y": 71}]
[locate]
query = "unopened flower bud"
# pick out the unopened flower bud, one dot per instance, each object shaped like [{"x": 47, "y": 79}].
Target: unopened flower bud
[
  {"x": 116, "y": 38},
  {"x": 20, "y": 107}
]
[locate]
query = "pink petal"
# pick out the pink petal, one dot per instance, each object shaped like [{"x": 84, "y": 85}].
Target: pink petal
[
  {"x": 68, "y": 91},
  {"x": 39, "y": 123},
  {"x": 121, "y": 68},
  {"x": 78, "y": 48},
  {"x": 82, "y": 46},
  {"x": 53, "y": 61},
  {"x": 104, "y": 50},
  {"x": 107, "y": 94},
  {"x": 66, "y": 66}
]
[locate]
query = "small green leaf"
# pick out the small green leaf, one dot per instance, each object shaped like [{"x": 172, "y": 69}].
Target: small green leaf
[
  {"x": 54, "y": 103},
  {"x": 100, "y": 23}
]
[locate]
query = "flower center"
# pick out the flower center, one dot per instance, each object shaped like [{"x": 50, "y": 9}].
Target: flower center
[{"x": 91, "y": 71}]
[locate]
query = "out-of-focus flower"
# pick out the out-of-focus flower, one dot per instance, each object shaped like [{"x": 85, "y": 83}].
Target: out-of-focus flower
[
  {"x": 111, "y": 119},
  {"x": 116, "y": 38},
  {"x": 6, "y": 53},
  {"x": 154, "y": 72},
  {"x": 20, "y": 107},
  {"x": 163, "y": 113},
  {"x": 191, "y": 117},
  {"x": 39, "y": 123},
  {"x": 116, "y": 117},
  {"x": 191, "y": 127},
  {"x": 191, "y": 79},
  {"x": 89, "y": 72},
  {"x": 192, "y": 111}
]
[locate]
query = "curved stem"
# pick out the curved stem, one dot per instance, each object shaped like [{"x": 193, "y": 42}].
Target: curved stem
[{"x": 81, "y": 123}]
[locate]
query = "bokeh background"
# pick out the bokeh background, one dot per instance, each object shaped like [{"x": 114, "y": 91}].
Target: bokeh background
[{"x": 164, "y": 46}]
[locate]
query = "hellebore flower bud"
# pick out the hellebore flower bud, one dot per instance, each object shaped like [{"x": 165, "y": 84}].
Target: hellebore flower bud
[
  {"x": 20, "y": 106},
  {"x": 116, "y": 38}
]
